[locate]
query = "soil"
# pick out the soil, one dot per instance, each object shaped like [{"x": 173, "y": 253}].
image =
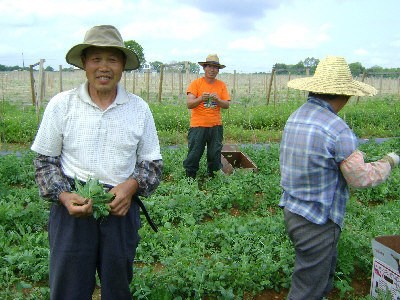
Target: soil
[{"x": 361, "y": 289}]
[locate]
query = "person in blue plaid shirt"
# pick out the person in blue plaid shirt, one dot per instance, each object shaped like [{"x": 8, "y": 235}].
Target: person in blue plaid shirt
[{"x": 318, "y": 161}]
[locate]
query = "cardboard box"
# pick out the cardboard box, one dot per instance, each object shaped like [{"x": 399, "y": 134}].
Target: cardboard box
[{"x": 386, "y": 266}]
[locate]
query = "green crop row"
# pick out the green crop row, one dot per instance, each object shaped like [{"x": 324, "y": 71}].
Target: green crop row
[
  {"x": 220, "y": 238},
  {"x": 258, "y": 123}
]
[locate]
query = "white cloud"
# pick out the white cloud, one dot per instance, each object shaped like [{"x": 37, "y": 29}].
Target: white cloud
[
  {"x": 252, "y": 43},
  {"x": 395, "y": 43},
  {"x": 361, "y": 52},
  {"x": 298, "y": 36}
]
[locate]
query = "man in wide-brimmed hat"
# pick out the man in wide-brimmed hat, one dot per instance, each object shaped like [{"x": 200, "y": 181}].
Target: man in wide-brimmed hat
[
  {"x": 96, "y": 131},
  {"x": 318, "y": 161},
  {"x": 205, "y": 98}
]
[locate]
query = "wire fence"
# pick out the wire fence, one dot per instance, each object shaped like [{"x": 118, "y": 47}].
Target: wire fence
[{"x": 16, "y": 86}]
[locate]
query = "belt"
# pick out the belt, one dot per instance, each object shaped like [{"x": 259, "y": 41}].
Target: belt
[{"x": 136, "y": 199}]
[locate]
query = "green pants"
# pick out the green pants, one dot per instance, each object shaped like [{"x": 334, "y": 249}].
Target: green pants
[{"x": 198, "y": 139}]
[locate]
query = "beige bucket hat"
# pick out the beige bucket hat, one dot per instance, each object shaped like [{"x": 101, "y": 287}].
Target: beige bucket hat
[
  {"x": 212, "y": 59},
  {"x": 333, "y": 76},
  {"x": 102, "y": 36}
]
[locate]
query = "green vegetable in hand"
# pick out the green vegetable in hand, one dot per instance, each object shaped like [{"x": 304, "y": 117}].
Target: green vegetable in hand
[
  {"x": 94, "y": 190},
  {"x": 209, "y": 102}
]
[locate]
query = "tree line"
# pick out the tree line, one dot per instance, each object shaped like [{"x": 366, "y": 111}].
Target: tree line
[
  {"x": 307, "y": 66},
  {"x": 356, "y": 68}
]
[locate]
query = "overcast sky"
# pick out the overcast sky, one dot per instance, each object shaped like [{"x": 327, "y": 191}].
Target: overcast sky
[{"x": 248, "y": 36}]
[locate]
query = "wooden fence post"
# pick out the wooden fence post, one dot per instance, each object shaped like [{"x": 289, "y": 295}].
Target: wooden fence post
[
  {"x": 147, "y": 74},
  {"x": 161, "y": 83},
  {"x": 398, "y": 85},
  {"x": 33, "y": 83},
  {"x": 180, "y": 85},
  {"x": 172, "y": 83},
  {"x": 40, "y": 98},
  {"x": 287, "y": 90},
  {"x": 187, "y": 69},
  {"x": 61, "y": 83},
  {"x": 362, "y": 80},
  {"x": 275, "y": 89},
  {"x": 234, "y": 86},
  {"x": 270, "y": 85},
  {"x": 133, "y": 81}
]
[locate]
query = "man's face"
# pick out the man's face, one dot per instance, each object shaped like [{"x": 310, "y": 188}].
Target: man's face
[
  {"x": 211, "y": 71},
  {"x": 104, "y": 67}
]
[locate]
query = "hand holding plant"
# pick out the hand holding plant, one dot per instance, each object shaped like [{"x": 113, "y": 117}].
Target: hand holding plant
[{"x": 95, "y": 191}]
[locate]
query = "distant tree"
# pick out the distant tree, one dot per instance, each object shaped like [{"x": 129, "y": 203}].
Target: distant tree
[
  {"x": 194, "y": 68},
  {"x": 50, "y": 69},
  {"x": 311, "y": 63},
  {"x": 156, "y": 65},
  {"x": 134, "y": 46},
  {"x": 69, "y": 69},
  {"x": 281, "y": 68},
  {"x": 375, "y": 70},
  {"x": 356, "y": 69}
]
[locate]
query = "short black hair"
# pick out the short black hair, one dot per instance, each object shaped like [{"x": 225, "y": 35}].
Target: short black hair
[{"x": 324, "y": 96}]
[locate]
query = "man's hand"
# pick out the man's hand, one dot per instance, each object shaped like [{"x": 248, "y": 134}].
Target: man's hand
[
  {"x": 76, "y": 205},
  {"x": 123, "y": 197},
  {"x": 205, "y": 97}
]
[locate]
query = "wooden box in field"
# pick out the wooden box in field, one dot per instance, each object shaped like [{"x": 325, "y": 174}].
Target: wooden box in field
[{"x": 232, "y": 160}]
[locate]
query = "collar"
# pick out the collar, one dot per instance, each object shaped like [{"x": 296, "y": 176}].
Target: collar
[{"x": 83, "y": 91}]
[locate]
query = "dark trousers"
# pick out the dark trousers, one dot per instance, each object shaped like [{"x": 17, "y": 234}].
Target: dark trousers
[
  {"x": 316, "y": 255},
  {"x": 198, "y": 139},
  {"x": 81, "y": 246}
]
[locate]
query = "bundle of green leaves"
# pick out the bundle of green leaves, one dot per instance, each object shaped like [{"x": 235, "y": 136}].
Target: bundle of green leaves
[{"x": 94, "y": 190}]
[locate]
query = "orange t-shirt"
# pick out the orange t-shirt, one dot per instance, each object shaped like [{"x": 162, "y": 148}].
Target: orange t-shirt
[{"x": 203, "y": 116}]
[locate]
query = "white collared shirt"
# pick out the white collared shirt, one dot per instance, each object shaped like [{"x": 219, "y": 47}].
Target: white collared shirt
[{"x": 94, "y": 143}]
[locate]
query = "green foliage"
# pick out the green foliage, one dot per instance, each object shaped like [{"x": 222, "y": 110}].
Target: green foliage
[
  {"x": 138, "y": 49},
  {"x": 245, "y": 121},
  {"x": 18, "y": 124},
  {"x": 92, "y": 189},
  {"x": 218, "y": 238}
]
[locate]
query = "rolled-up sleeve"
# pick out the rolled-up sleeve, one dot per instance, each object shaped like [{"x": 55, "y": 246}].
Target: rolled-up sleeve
[
  {"x": 49, "y": 177},
  {"x": 148, "y": 175}
]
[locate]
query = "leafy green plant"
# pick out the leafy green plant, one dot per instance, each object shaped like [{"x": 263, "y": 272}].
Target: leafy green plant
[{"x": 95, "y": 191}]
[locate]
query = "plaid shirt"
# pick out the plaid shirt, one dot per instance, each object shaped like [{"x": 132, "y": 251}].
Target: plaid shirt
[
  {"x": 315, "y": 141},
  {"x": 52, "y": 181}
]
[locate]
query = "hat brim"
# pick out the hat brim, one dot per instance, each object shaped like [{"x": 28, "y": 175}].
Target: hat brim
[
  {"x": 73, "y": 56},
  {"x": 203, "y": 63},
  {"x": 352, "y": 88}
]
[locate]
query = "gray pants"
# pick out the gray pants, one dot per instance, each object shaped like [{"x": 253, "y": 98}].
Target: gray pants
[{"x": 316, "y": 255}]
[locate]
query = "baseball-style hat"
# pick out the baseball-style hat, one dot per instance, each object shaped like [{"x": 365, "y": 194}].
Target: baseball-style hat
[
  {"x": 102, "y": 36},
  {"x": 333, "y": 76},
  {"x": 212, "y": 59}
]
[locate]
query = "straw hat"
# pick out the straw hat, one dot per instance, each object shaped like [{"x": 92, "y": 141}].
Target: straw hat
[
  {"x": 212, "y": 59},
  {"x": 102, "y": 36},
  {"x": 333, "y": 76}
]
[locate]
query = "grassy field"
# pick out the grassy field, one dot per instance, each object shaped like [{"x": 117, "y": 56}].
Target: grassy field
[{"x": 220, "y": 238}]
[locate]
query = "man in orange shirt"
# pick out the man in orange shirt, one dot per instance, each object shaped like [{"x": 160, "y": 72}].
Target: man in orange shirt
[{"x": 205, "y": 98}]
